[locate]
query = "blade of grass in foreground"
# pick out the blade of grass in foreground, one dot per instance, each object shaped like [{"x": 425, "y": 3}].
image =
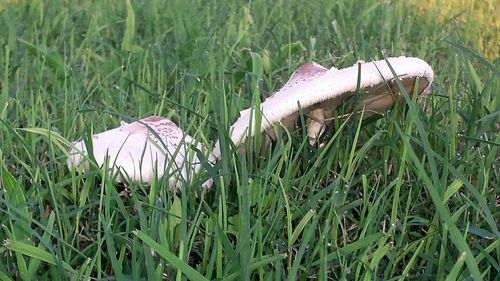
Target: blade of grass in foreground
[
  {"x": 443, "y": 212},
  {"x": 256, "y": 265},
  {"x": 456, "y": 268},
  {"x": 18, "y": 226},
  {"x": 432, "y": 184},
  {"x": 34, "y": 252},
  {"x": 4, "y": 277},
  {"x": 190, "y": 272},
  {"x": 244, "y": 235},
  {"x": 351, "y": 248}
]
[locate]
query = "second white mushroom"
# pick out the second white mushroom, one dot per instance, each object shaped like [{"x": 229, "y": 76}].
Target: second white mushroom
[{"x": 143, "y": 151}]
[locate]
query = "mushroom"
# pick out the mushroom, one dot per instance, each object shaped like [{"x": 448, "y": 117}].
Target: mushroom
[
  {"x": 142, "y": 151},
  {"x": 319, "y": 91},
  {"x": 153, "y": 146}
]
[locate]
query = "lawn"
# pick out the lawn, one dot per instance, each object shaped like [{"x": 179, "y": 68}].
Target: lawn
[{"x": 411, "y": 196}]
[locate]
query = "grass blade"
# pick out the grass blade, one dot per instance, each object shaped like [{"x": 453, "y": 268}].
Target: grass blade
[
  {"x": 34, "y": 252},
  {"x": 190, "y": 272}
]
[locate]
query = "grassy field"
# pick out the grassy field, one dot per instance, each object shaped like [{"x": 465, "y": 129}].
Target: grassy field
[{"x": 412, "y": 196}]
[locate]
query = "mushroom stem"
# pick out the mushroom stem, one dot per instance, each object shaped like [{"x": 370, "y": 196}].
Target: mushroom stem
[{"x": 315, "y": 124}]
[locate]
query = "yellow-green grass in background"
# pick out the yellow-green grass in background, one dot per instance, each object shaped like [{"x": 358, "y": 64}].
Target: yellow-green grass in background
[{"x": 480, "y": 18}]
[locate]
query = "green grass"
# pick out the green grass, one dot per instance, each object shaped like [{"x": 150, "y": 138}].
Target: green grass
[{"x": 413, "y": 195}]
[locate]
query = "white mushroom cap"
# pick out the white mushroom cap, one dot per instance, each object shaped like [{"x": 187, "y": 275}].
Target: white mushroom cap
[
  {"x": 136, "y": 152},
  {"x": 311, "y": 85}
]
